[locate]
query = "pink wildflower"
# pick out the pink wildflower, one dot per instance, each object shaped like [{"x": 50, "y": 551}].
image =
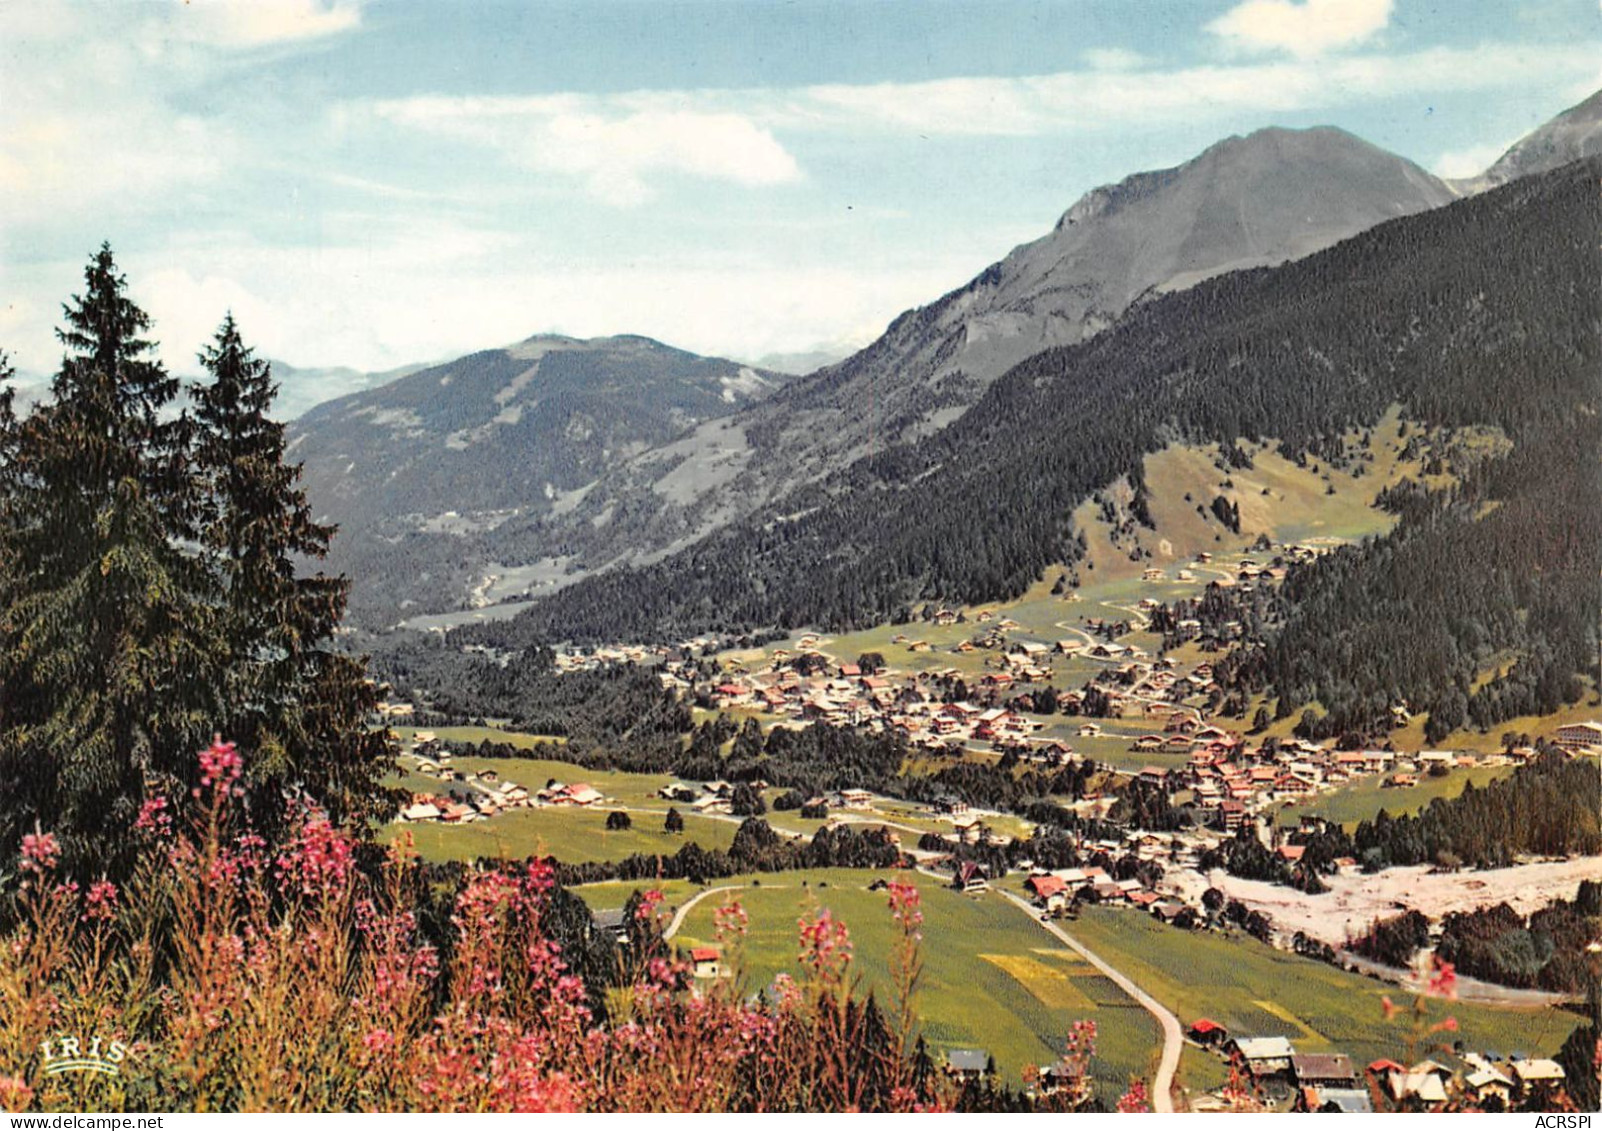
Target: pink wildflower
[
  {"x": 155, "y": 818},
  {"x": 220, "y": 766},
  {"x": 1443, "y": 978},
  {"x": 1135, "y": 1098},
  {"x": 101, "y": 902},
  {"x": 649, "y": 902},
  {"x": 15, "y": 1095},
  {"x": 730, "y": 919},
  {"x": 39, "y": 852},
  {"x": 825, "y": 943},
  {"x": 906, "y": 905},
  {"x": 319, "y": 862}
]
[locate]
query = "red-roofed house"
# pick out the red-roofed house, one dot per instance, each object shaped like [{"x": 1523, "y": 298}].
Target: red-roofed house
[{"x": 706, "y": 960}]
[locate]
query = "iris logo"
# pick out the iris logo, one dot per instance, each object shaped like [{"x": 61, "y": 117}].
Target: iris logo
[{"x": 73, "y": 1054}]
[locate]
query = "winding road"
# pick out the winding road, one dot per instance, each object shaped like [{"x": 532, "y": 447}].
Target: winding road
[
  {"x": 1162, "y": 1084},
  {"x": 684, "y": 908}
]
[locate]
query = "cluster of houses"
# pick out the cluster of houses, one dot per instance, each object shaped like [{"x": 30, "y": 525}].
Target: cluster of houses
[
  {"x": 476, "y": 795},
  {"x": 713, "y": 798},
  {"x": 634, "y": 654},
  {"x": 1331, "y": 1082},
  {"x": 1053, "y": 891},
  {"x": 1225, "y": 775},
  {"x": 911, "y": 705}
]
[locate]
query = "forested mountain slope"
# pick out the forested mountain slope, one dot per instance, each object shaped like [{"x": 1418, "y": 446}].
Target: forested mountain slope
[
  {"x": 1483, "y": 312},
  {"x": 417, "y": 471},
  {"x": 1274, "y": 195},
  {"x": 1571, "y": 136}
]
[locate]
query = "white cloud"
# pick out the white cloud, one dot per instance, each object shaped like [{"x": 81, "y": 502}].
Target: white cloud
[
  {"x": 441, "y": 292},
  {"x": 1470, "y": 162},
  {"x": 1098, "y": 100},
  {"x": 1112, "y": 59},
  {"x": 92, "y": 96},
  {"x": 255, "y": 23},
  {"x": 1311, "y": 27},
  {"x": 610, "y": 147}
]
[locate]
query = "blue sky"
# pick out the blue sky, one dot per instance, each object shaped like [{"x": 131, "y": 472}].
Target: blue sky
[{"x": 372, "y": 183}]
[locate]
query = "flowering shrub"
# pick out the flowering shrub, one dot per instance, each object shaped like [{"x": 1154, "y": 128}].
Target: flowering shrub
[{"x": 233, "y": 975}]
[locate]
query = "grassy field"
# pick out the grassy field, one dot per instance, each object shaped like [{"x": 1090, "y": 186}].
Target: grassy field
[
  {"x": 1256, "y": 990},
  {"x": 1362, "y": 800},
  {"x": 993, "y": 978},
  {"x": 573, "y": 836},
  {"x": 479, "y": 734}
]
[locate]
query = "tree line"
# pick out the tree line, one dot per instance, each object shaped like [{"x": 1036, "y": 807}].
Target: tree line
[{"x": 151, "y": 596}]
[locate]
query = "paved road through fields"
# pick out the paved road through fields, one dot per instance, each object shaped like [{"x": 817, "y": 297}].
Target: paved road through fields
[{"x": 1162, "y": 1084}]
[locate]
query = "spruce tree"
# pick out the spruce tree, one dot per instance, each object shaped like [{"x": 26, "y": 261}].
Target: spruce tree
[
  {"x": 107, "y": 626},
  {"x": 296, "y": 706}
]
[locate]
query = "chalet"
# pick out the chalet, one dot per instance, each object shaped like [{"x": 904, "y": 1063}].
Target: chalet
[
  {"x": 1426, "y": 1087},
  {"x": 949, "y": 804},
  {"x": 1149, "y": 742},
  {"x": 1207, "y": 1032},
  {"x": 1401, "y": 781},
  {"x": 678, "y": 791},
  {"x": 612, "y": 921},
  {"x": 1049, "y": 891},
  {"x": 1152, "y": 573},
  {"x": 1579, "y": 737},
  {"x": 967, "y": 1065},
  {"x": 420, "y": 811},
  {"x": 1089, "y": 730},
  {"x": 1536, "y": 1079},
  {"x": 1323, "y": 1070},
  {"x": 1262, "y": 1056},
  {"x": 1107, "y": 890},
  {"x": 1144, "y": 900},
  {"x": 969, "y": 877},
  {"x": 578, "y": 793},
  {"x": 856, "y": 798},
  {"x": 1154, "y": 775},
  {"x": 1486, "y": 1083},
  {"x": 458, "y": 813},
  {"x": 706, "y": 962},
  {"x": 1167, "y": 910},
  {"x": 1064, "y": 1076},
  {"x": 969, "y": 829},
  {"x": 1343, "y": 1101},
  {"x": 1232, "y": 814}
]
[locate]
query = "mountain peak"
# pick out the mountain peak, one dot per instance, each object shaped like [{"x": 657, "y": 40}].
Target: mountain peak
[
  {"x": 1252, "y": 162},
  {"x": 1572, "y": 135}
]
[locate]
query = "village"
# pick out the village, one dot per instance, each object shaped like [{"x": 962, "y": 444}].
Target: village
[{"x": 1143, "y": 719}]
